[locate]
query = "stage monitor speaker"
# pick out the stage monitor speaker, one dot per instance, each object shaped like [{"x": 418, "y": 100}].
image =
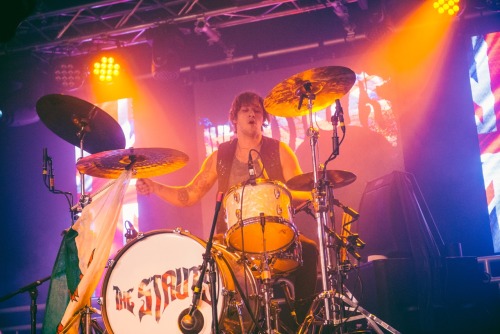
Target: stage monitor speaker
[{"x": 394, "y": 221}]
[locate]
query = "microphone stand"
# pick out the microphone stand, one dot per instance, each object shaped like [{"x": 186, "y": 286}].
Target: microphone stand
[
  {"x": 186, "y": 319},
  {"x": 32, "y": 289}
]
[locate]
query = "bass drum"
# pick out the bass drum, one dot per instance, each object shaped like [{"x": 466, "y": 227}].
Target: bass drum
[{"x": 149, "y": 285}]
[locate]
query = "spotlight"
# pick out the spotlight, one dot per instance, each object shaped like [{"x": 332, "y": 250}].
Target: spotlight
[
  {"x": 167, "y": 44},
  {"x": 343, "y": 14},
  {"x": 106, "y": 69},
  {"x": 69, "y": 76},
  {"x": 202, "y": 26},
  {"x": 450, "y": 7}
]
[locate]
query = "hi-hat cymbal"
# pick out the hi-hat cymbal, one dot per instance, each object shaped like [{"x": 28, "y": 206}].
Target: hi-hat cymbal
[
  {"x": 147, "y": 162},
  {"x": 327, "y": 83},
  {"x": 305, "y": 182},
  {"x": 71, "y": 118}
]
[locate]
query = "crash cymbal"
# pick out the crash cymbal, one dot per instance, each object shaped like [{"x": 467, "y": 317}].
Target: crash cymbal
[
  {"x": 148, "y": 162},
  {"x": 305, "y": 182},
  {"x": 70, "y": 117},
  {"x": 327, "y": 83}
]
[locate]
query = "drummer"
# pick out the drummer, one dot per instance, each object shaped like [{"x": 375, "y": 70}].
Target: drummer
[{"x": 229, "y": 166}]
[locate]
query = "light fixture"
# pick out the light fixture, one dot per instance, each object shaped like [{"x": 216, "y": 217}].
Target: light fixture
[
  {"x": 201, "y": 26},
  {"x": 340, "y": 9},
  {"x": 106, "y": 69},
  {"x": 167, "y": 46},
  {"x": 450, "y": 7},
  {"x": 69, "y": 75}
]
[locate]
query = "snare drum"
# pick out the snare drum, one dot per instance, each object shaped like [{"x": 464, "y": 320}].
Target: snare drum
[
  {"x": 149, "y": 285},
  {"x": 282, "y": 262},
  {"x": 251, "y": 209}
]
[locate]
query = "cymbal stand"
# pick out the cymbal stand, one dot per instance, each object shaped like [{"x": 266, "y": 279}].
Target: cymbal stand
[
  {"x": 84, "y": 128},
  {"x": 323, "y": 201},
  {"x": 319, "y": 201},
  {"x": 267, "y": 289},
  {"x": 84, "y": 125}
]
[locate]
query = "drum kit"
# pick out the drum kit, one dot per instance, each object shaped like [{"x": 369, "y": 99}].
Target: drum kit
[{"x": 156, "y": 283}]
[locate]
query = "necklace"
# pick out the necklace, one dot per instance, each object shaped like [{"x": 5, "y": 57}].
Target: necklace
[
  {"x": 242, "y": 153},
  {"x": 257, "y": 147}
]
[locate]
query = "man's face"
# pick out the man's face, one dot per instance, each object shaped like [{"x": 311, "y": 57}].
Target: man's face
[{"x": 250, "y": 118}]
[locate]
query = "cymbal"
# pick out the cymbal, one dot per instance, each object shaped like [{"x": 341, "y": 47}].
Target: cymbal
[
  {"x": 70, "y": 117},
  {"x": 148, "y": 162},
  {"x": 327, "y": 83},
  {"x": 305, "y": 182}
]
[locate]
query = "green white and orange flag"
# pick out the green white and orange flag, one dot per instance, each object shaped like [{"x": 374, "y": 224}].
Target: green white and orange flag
[{"x": 82, "y": 257}]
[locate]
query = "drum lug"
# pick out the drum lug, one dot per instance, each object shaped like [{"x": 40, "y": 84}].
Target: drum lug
[
  {"x": 279, "y": 210},
  {"x": 226, "y": 292},
  {"x": 217, "y": 253},
  {"x": 99, "y": 301},
  {"x": 110, "y": 263},
  {"x": 140, "y": 235}
]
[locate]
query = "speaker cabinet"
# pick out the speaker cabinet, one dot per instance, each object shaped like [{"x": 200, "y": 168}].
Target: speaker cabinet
[{"x": 390, "y": 290}]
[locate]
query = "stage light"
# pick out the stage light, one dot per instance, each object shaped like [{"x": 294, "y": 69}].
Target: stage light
[
  {"x": 450, "y": 7},
  {"x": 106, "y": 69},
  {"x": 167, "y": 44},
  {"x": 342, "y": 12},
  {"x": 69, "y": 76}
]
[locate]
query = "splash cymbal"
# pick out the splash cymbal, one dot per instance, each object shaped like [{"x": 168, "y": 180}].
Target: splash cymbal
[
  {"x": 146, "y": 162},
  {"x": 326, "y": 83},
  {"x": 305, "y": 182},
  {"x": 71, "y": 118}
]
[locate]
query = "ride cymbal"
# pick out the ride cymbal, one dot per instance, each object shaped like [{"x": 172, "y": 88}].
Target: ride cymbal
[
  {"x": 146, "y": 162},
  {"x": 305, "y": 182},
  {"x": 325, "y": 84},
  {"x": 71, "y": 118}
]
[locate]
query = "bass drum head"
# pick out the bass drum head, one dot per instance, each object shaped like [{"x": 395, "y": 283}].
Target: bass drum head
[{"x": 150, "y": 283}]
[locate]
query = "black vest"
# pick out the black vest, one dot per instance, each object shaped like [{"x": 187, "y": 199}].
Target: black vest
[{"x": 270, "y": 155}]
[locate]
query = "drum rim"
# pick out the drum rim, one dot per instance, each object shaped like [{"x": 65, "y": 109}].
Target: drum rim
[
  {"x": 259, "y": 181},
  {"x": 253, "y": 220}
]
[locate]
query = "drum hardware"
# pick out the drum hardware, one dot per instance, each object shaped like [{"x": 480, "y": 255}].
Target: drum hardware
[
  {"x": 238, "y": 307},
  {"x": 267, "y": 290},
  {"x": 289, "y": 299},
  {"x": 131, "y": 233},
  {"x": 321, "y": 87}
]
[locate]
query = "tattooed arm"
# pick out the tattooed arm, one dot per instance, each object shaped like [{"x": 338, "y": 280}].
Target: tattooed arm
[
  {"x": 291, "y": 168},
  {"x": 183, "y": 195}
]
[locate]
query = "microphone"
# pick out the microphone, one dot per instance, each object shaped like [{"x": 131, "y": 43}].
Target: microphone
[
  {"x": 51, "y": 174},
  {"x": 45, "y": 161},
  {"x": 189, "y": 324},
  {"x": 251, "y": 168},
  {"x": 301, "y": 207},
  {"x": 350, "y": 211},
  {"x": 340, "y": 113}
]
